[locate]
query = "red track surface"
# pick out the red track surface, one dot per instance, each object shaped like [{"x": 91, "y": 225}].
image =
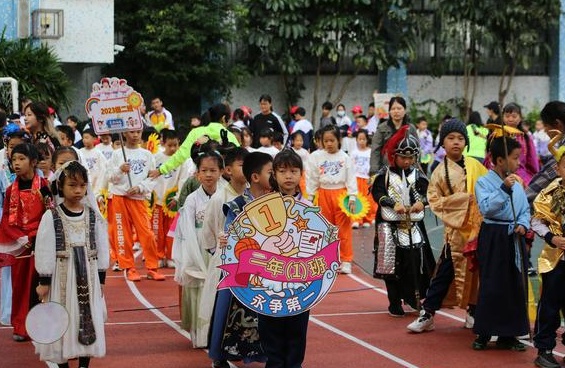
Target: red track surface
[{"x": 350, "y": 328}]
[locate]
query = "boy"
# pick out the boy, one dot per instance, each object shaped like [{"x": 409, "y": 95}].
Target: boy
[
  {"x": 94, "y": 161},
  {"x": 72, "y": 121},
  {"x": 451, "y": 198},
  {"x": 303, "y": 125},
  {"x": 167, "y": 186},
  {"x": 258, "y": 169},
  {"x": 426, "y": 143},
  {"x": 116, "y": 142},
  {"x": 549, "y": 212},
  {"x": 128, "y": 206},
  {"x": 327, "y": 118},
  {"x": 213, "y": 225},
  {"x": 501, "y": 304},
  {"x": 105, "y": 146},
  {"x": 266, "y": 137},
  {"x": 66, "y": 138}
]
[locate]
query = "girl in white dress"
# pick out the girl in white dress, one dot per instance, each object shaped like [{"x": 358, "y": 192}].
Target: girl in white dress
[{"x": 73, "y": 255}]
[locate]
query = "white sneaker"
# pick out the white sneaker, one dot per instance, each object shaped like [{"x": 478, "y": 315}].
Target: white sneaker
[
  {"x": 170, "y": 263},
  {"x": 469, "y": 321},
  {"x": 345, "y": 268},
  {"x": 425, "y": 322},
  {"x": 355, "y": 225},
  {"x": 116, "y": 267},
  {"x": 136, "y": 246},
  {"x": 366, "y": 225}
]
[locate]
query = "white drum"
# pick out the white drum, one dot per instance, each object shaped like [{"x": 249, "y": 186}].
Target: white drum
[{"x": 47, "y": 322}]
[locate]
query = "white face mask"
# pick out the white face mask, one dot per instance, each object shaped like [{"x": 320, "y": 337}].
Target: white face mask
[{"x": 341, "y": 113}]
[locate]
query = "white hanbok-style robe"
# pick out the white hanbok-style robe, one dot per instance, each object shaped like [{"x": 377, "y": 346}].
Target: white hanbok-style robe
[{"x": 47, "y": 264}]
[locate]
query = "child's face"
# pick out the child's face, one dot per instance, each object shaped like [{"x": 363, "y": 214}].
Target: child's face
[
  {"x": 22, "y": 165},
  {"x": 330, "y": 142},
  {"x": 235, "y": 172},
  {"x": 106, "y": 139},
  {"x": 288, "y": 179},
  {"x": 72, "y": 124},
  {"x": 454, "y": 143},
  {"x": 74, "y": 189},
  {"x": 262, "y": 179},
  {"x": 512, "y": 119},
  {"x": 360, "y": 121},
  {"x": 423, "y": 125},
  {"x": 117, "y": 144},
  {"x": 45, "y": 164},
  {"x": 171, "y": 146},
  {"x": 403, "y": 162},
  {"x": 133, "y": 137},
  {"x": 539, "y": 125},
  {"x": 362, "y": 141},
  {"x": 298, "y": 142},
  {"x": 278, "y": 145},
  {"x": 64, "y": 140},
  {"x": 194, "y": 122},
  {"x": 265, "y": 141},
  {"x": 209, "y": 172},
  {"x": 88, "y": 140},
  {"x": 247, "y": 140},
  {"x": 11, "y": 144},
  {"x": 512, "y": 164},
  {"x": 63, "y": 158}
]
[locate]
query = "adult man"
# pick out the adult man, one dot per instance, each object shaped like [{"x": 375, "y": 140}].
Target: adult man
[
  {"x": 160, "y": 117},
  {"x": 493, "y": 112}
]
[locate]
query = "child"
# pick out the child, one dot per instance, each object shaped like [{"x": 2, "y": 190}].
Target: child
[
  {"x": 191, "y": 259},
  {"x": 94, "y": 161},
  {"x": 426, "y": 143},
  {"x": 283, "y": 339},
  {"x": 327, "y": 118},
  {"x": 72, "y": 269},
  {"x": 258, "y": 169},
  {"x": 72, "y": 121},
  {"x": 549, "y": 212},
  {"x": 66, "y": 137},
  {"x": 361, "y": 158},
  {"x": 105, "y": 146},
  {"x": 24, "y": 204},
  {"x": 167, "y": 194},
  {"x": 451, "y": 198},
  {"x": 501, "y": 304},
  {"x": 278, "y": 140},
  {"x": 247, "y": 139},
  {"x": 266, "y": 137},
  {"x": 304, "y": 126},
  {"x": 116, "y": 143},
  {"x": 46, "y": 153},
  {"x": 331, "y": 173},
  {"x": 297, "y": 145},
  {"x": 541, "y": 140},
  {"x": 128, "y": 206},
  {"x": 403, "y": 256}
]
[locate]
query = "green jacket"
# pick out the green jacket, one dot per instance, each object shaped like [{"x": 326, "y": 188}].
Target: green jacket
[{"x": 477, "y": 141}]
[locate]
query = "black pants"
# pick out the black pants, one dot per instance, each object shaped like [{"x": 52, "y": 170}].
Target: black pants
[
  {"x": 551, "y": 302},
  {"x": 440, "y": 283},
  {"x": 283, "y": 339}
]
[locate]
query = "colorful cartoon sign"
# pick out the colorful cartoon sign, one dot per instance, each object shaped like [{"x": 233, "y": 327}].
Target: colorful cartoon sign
[
  {"x": 113, "y": 106},
  {"x": 381, "y": 104},
  {"x": 282, "y": 256}
]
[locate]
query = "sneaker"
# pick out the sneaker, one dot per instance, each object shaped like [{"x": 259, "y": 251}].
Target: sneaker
[
  {"x": 469, "y": 321},
  {"x": 345, "y": 268},
  {"x": 545, "y": 359},
  {"x": 220, "y": 364},
  {"x": 133, "y": 275},
  {"x": 170, "y": 263},
  {"x": 425, "y": 322},
  {"x": 510, "y": 343},
  {"x": 136, "y": 246},
  {"x": 366, "y": 225},
  {"x": 19, "y": 338},
  {"x": 155, "y": 275},
  {"x": 481, "y": 342},
  {"x": 355, "y": 225},
  {"x": 395, "y": 311},
  {"x": 116, "y": 267}
]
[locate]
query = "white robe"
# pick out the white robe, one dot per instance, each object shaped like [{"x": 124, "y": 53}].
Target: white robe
[{"x": 47, "y": 264}]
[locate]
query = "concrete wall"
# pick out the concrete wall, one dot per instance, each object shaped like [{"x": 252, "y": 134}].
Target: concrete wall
[
  {"x": 88, "y": 31},
  {"x": 528, "y": 91}
]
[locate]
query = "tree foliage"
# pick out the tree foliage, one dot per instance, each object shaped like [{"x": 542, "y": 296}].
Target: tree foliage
[
  {"x": 178, "y": 49},
  {"x": 37, "y": 70},
  {"x": 284, "y": 36}
]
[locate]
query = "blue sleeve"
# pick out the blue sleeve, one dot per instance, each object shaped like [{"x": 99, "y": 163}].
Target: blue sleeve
[{"x": 491, "y": 200}]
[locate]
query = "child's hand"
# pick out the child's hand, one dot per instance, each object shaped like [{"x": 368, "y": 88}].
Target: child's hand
[
  {"x": 153, "y": 174},
  {"x": 352, "y": 206},
  {"x": 520, "y": 230},
  {"x": 134, "y": 190},
  {"x": 399, "y": 208},
  {"x": 510, "y": 180},
  {"x": 125, "y": 167},
  {"x": 417, "y": 207},
  {"x": 222, "y": 240},
  {"x": 42, "y": 292},
  {"x": 172, "y": 205},
  {"x": 558, "y": 241}
]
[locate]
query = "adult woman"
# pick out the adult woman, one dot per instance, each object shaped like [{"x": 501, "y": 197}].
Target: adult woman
[
  {"x": 266, "y": 119},
  {"x": 39, "y": 125},
  {"x": 214, "y": 123},
  {"x": 386, "y": 129}
]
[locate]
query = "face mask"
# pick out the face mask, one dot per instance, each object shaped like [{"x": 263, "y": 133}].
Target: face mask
[{"x": 341, "y": 113}]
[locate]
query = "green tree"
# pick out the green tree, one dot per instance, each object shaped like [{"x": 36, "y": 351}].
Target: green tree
[
  {"x": 37, "y": 70},
  {"x": 178, "y": 50},
  {"x": 285, "y": 36}
]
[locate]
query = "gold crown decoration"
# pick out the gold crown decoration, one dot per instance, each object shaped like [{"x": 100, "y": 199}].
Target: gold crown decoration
[
  {"x": 497, "y": 131},
  {"x": 556, "y": 152}
]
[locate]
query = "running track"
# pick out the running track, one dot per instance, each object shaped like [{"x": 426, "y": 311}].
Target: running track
[{"x": 350, "y": 328}]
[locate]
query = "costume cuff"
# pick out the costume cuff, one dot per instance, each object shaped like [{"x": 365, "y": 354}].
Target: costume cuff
[
  {"x": 548, "y": 238},
  {"x": 102, "y": 277},
  {"x": 45, "y": 280}
]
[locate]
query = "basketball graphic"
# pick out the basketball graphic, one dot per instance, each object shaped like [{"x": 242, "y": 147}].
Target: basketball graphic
[{"x": 245, "y": 244}]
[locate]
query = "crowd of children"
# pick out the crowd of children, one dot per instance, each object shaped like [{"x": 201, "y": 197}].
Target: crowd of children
[{"x": 177, "y": 198}]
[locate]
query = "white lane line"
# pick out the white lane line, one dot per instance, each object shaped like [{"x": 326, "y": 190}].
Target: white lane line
[
  {"x": 135, "y": 323},
  {"x": 366, "y": 345},
  {"x": 347, "y": 314},
  {"x": 445, "y": 314}
]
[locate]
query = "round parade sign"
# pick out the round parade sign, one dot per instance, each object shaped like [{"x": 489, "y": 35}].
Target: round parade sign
[{"x": 281, "y": 256}]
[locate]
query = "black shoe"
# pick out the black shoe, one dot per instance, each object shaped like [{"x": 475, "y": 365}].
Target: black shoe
[
  {"x": 532, "y": 271},
  {"x": 545, "y": 359},
  {"x": 19, "y": 338},
  {"x": 481, "y": 342},
  {"x": 510, "y": 343},
  {"x": 396, "y": 310},
  {"x": 220, "y": 364}
]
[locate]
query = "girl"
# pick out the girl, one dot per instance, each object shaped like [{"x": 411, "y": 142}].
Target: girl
[
  {"x": 72, "y": 268},
  {"x": 297, "y": 140},
  {"x": 26, "y": 201},
  {"x": 191, "y": 260},
  {"x": 331, "y": 174},
  {"x": 247, "y": 139},
  {"x": 267, "y": 118},
  {"x": 39, "y": 125},
  {"x": 361, "y": 158},
  {"x": 46, "y": 153}
]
